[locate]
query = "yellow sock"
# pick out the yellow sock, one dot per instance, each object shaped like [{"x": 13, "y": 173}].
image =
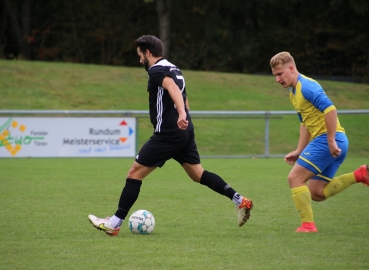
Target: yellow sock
[
  {"x": 338, "y": 184},
  {"x": 302, "y": 198}
]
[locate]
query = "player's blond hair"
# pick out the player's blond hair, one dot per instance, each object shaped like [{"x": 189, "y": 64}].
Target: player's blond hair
[{"x": 281, "y": 59}]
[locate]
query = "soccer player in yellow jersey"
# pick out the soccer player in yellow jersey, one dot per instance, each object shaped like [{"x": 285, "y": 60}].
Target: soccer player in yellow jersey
[{"x": 322, "y": 145}]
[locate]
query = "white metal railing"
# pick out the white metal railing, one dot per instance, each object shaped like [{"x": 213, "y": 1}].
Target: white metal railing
[{"x": 144, "y": 113}]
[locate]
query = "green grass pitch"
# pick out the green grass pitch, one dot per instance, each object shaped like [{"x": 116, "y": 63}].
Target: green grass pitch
[{"x": 45, "y": 203}]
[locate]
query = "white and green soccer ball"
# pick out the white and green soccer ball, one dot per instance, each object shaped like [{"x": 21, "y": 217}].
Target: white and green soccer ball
[{"x": 141, "y": 222}]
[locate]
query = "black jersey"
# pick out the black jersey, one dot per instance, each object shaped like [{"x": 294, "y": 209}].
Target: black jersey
[{"x": 163, "y": 112}]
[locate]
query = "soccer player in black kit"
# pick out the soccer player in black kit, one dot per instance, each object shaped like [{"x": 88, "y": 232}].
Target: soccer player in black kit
[{"x": 173, "y": 137}]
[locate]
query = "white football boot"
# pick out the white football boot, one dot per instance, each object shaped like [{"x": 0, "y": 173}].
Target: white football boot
[{"x": 103, "y": 224}]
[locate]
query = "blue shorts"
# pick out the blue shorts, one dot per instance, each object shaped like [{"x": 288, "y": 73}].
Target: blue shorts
[{"x": 317, "y": 158}]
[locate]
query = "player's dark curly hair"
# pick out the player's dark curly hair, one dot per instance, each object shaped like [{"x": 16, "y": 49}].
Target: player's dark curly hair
[{"x": 151, "y": 43}]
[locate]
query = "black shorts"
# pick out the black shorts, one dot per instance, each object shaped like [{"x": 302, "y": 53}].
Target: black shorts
[{"x": 180, "y": 146}]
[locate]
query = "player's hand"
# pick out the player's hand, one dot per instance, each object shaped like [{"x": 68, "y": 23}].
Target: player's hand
[
  {"x": 291, "y": 157},
  {"x": 334, "y": 149},
  {"x": 182, "y": 122}
]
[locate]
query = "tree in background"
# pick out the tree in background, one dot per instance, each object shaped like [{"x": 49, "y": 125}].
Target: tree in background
[
  {"x": 164, "y": 8},
  {"x": 18, "y": 14},
  {"x": 327, "y": 38}
]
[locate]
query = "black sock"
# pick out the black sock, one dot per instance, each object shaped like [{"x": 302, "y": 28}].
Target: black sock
[
  {"x": 216, "y": 183},
  {"x": 128, "y": 197}
]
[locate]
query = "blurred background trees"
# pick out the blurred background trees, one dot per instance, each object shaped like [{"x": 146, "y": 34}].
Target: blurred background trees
[{"x": 328, "y": 38}]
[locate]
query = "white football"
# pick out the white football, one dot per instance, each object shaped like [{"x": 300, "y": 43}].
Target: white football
[{"x": 141, "y": 222}]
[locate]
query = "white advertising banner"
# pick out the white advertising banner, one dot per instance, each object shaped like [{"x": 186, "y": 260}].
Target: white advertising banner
[{"x": 67, "y": 137}]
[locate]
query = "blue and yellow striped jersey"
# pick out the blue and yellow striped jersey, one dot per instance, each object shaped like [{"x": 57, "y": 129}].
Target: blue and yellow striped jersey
[{"x": 311, "y": 103}]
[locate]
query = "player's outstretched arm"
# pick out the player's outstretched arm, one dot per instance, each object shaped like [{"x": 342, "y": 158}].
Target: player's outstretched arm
[
  {"x": 304, "y": 139},
  {"x": 331, "y": 123},
  {"x": 187, "y": 105},
  {"x": 176, "y": 95}
]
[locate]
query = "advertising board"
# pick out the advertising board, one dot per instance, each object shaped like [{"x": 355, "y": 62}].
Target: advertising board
[{"x": 67, "y": 137}]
